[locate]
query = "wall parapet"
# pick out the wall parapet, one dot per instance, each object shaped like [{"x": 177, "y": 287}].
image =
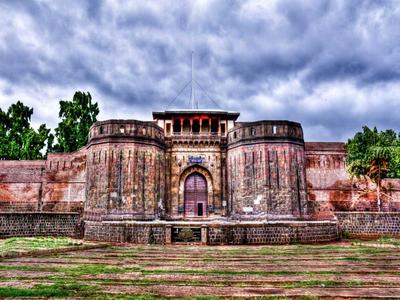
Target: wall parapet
[
  {"x": 126, "y": 130},
  {"x": 261, "y": 131}
]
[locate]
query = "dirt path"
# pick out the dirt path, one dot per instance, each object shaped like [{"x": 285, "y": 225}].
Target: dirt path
[{"x": 332, "y": 270}]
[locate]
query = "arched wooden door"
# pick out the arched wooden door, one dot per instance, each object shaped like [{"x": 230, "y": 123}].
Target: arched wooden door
[{"x": 195, "y": 195}]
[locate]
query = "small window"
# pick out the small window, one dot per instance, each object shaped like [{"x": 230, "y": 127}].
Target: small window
[
  {"x": 214, "y": 126},
  {"x": 252, "y": 131},
  {"x": 144, "y": 130},
  {"x": 274, "y": 129},
  {"x": 177, "y": 126},
  {"x": 168, "y": 129},
  {"x": 101, "y": 130},
  {"x": 234, "y": 135},
  {"x": 222, "y": 128},
  {"x": 121, "y": 129}
]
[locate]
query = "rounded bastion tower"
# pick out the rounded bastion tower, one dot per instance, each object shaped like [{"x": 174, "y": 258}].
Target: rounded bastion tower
[
  {"x": 266, "y": 171},
  {"x": 125, "y": 171}
]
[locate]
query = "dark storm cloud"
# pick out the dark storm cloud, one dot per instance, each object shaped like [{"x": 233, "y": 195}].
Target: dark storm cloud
[{"x": 331, "y": 65}]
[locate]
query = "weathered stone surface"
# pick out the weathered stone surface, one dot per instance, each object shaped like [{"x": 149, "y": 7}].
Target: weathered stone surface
[
  {"x": 38, "y": 224},
  {"x": 369, "y": 224},
  {"x": 266, "y": 174},
  {"x": 251, "y": 171},
  {"x": 330, "y": 188},
  {"x": 215, "y": 234}
]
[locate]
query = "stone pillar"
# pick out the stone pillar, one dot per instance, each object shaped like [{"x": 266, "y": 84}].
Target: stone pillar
[
  {"x": 204, "y": 234},
  {"x": 181, "y": 120},
  {"x": 168, "y": 234}
]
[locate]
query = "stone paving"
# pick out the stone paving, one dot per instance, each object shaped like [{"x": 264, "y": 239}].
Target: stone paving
[{"x": 296, "y": 271}]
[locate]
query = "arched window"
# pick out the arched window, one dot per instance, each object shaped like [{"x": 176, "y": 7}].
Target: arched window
[
  {"x": 121, "y": 129},
  {"x": 101, "y": 130}
]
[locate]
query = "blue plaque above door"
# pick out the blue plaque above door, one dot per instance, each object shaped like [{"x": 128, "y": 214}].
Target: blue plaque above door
[{"x": 195, "y": 159}]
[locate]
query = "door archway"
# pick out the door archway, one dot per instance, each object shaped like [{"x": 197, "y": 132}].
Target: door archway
[{"x": 195, "y": 195}]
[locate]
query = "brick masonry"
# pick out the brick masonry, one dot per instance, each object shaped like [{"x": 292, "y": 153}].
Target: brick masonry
[
  {"x": 146, "y": 233},
  {"x": 330, "y": 189},
  {"x": 369, "y": 224},
  {"x": 215, "y": 234},
  {"x": 39, "y": 224},
  {"x": 278, "y": 233}
]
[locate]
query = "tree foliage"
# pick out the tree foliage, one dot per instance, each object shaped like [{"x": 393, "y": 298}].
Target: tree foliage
[
  {"x": 369, "y": 149},
  {"x": 18, "y": 140},
  {"x": 375, "y": 155},
  {"x": 76, "y": 118}
]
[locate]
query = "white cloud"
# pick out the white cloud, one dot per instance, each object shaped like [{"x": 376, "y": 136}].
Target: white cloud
[{"x": 332, "y": 66}]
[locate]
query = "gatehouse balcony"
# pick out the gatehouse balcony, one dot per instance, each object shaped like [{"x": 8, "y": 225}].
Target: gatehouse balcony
[{"x": 196, "y": 137}]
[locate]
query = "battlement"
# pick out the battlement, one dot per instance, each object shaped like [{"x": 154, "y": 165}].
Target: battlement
[
  {"x": 271, "y": 131},
  {"x": 125, "y": 131}
]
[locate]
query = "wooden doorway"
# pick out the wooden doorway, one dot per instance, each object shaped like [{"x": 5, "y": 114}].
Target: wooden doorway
[{"x": 195, "y": 195}]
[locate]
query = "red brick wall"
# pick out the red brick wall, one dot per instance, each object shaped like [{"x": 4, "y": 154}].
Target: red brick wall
[
  {"x": 20, "y": 183},
  {"x": 330, "y": 188},
  {"x": 57, "y": 184},
  {"x": 64, "y": 182}
]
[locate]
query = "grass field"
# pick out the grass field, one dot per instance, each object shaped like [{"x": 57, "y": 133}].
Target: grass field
[
  {"x": 27, "y": 244},
  {"x": 192, "y": 271}
]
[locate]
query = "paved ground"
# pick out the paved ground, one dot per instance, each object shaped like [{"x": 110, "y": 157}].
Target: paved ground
[{"x": 332, "y": 270}]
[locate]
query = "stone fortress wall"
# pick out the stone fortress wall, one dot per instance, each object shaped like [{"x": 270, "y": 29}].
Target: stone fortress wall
[
  {"x": 266, "y": 174},
  {"x": 125, "y": 172},
  {"x": 131, "y": 170}
]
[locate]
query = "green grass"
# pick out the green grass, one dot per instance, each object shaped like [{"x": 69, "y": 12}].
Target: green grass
[
  {"x": 388, "y": 241},
  {"x": 86, "y": 269},
  {"x": 322, "y": 283},
  {"x": 25, "y": 244},
  {"x": 233, "y": 273},
  {"x": 56, "y": 290}
]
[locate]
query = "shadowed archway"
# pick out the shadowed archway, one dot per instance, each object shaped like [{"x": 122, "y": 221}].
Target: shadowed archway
[
  {"x": 195, "y": 196},
  {"x": 196, "y": 192}
]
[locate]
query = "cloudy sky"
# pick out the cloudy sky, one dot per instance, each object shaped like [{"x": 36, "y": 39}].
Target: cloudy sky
[{"x": 331, "y": 65}]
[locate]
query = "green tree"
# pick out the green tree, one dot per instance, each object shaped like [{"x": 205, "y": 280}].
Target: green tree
[
  {"x": 18, "y": 140},
  {"x": 76, "y": 118},
  {"x": 374, "y": 155}
]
